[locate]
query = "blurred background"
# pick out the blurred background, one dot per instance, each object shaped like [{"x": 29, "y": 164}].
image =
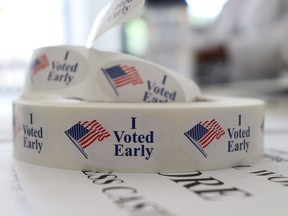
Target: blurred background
[{"x": 217, "y": 43}]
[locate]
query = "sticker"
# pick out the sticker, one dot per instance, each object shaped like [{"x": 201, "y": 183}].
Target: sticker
[
  {"x": 17, "y": 125},
  {"x": 115, "y": 13},
  {"x": 32, "y": 133},
  {"x": 57, "y": 68},
  {"x": 115, "y": 140},
  {"x": 219, "y": 141},
  {"x": 139, "y": 81}
]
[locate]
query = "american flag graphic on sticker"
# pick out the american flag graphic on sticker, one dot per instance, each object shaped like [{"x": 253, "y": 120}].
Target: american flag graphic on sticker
[
  {"x": 84, "y": 134},
  {"x": 122, "y": 75},
  {"x": 40, "y": 63},
  {"x": 16, "y": 125},
  {"x": 204, "y": 133}
]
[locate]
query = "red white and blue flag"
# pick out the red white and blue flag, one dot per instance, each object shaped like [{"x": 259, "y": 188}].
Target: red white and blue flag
[
  {"x": 204, "y": 133},
  {"x": 39, "y": 64},
  {"x": 83, "y": 134},
  {"x": 122, "y": 75},
  {"x": 16, "y": 125}
]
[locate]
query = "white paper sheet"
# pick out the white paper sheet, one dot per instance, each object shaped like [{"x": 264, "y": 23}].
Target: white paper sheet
[{"x": 260, "y": 189}]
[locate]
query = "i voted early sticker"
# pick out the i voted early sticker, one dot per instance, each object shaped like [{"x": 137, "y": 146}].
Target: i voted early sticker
[
  {"x": 32, "y": 133},
  {"x": 130, "y": 80},
  {"x": 115, "y": 140},
  {"x": 220, "y": 140},
  {"x": 57, "y": 68}
]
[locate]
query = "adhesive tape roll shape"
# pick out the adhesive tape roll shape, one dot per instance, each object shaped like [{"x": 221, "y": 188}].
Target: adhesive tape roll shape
[
  {"x": 139, "y": 137},
  {"x": 66, "y": 119}
]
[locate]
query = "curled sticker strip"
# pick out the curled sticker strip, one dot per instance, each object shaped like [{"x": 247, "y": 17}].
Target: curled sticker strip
[
  {"x": 115, "y": 13},
  {"x": 92, "y": 75}
]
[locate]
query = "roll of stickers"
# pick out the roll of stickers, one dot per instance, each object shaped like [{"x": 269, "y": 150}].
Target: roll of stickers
[
  {"x": 64, "y": 120},
  {"x": 93, "y": 75},
  {"x": 139, "y": 137}
]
